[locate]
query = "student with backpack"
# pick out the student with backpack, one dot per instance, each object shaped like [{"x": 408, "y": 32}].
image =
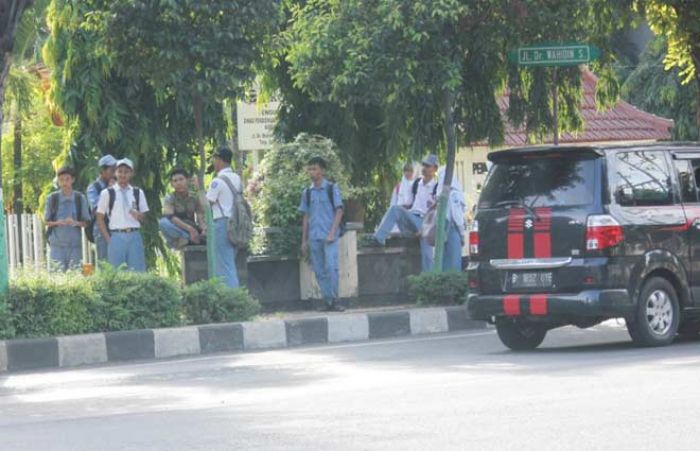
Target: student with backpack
[
  {"x": 322, "y": 207},
  {"x": 108, "y": 165},
  {"x": 228, "y": 209},
  {"x": 125, "y": 206},
  {"x": 410, "y": 220},
  {"x": 66, "y": 213}
]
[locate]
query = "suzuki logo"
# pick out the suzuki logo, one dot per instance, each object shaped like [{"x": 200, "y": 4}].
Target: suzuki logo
[{"x": 528, "y": 223}]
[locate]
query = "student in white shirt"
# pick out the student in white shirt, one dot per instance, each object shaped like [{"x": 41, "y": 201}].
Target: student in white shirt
[
  {"x": 221, "y": 198},
  {"x": 455, "y": 224},
  {"x": 126, "y": 208},
  {"x": 409, "y": 218}
]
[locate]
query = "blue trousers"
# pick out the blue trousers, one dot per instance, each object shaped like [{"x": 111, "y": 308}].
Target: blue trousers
[
  {"x": 409, "y": 224},
  {"x": 100, "y": 244},
  {"x": 225, "y": 262},
  {"x": 127, "y": 248},
  {"x": 66, "y": 257},
  {"x": 171, "y": 232},
  {"x": 452, "y": 258},
  {"x": 324, "y": 260}
]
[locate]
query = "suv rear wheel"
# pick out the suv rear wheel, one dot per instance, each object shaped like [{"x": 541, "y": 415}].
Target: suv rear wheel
[
  {"x": 657, "y": 317},
  {"x": 520, "y": 336}
]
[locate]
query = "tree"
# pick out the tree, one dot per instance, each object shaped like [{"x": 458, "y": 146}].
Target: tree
[
  {"x": 679, "y": 22},
  {"x": 154, "y": 40},
  {"x": 652, "y": 88},
  {"x": 440, "y": 64}
]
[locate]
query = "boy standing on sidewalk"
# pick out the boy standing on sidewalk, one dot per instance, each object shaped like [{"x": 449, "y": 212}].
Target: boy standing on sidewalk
[
  {"x": 183, "y": 220},
  {"x": 126, "y": 207},
  {"x": 322, "y": 207},
  {"x": 66, "y": 213},
  {"x": 108, "y": 165}
]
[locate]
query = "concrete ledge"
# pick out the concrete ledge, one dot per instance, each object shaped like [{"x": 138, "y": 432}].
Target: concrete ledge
[
  {"x": 79, "y": 350},
  {"x": 306, "y": 331},
  {"x": 264, "y": 334},
  {"x": 32, "y": 354},
  {"x": 348, "y": 327},
  {"x": 175, "y": 342},
  {"x": 71, "y": 351},
  {"x": 428, "y": 321},
  {"x": 220, "y": 337},
  {"x": 389, "y": 324},
  {"x": 130, "y": 345}
]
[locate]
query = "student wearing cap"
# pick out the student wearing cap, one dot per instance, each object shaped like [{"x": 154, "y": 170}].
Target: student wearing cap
[
  {"x": 108, "y": 165},
  {"x": 66, "y": 212},
  {"x": 220, "y": 195},
  {"x": 183, "y": 220},
  {"x": 409, "y": 218},
  {"x": 126, "y": 207}
]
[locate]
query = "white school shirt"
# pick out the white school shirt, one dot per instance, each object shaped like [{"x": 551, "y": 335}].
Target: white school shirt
[
  {"x": 424, "y": 197},
  {"x": 120, "y": 217},
  {"x": 402, "y": 194},
  {"x": 220, "y": 196},
  {"x": 457, "y": 206}
]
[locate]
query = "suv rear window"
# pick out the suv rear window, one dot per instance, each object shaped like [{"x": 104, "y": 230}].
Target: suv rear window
[{"x": 540, "y": 181}]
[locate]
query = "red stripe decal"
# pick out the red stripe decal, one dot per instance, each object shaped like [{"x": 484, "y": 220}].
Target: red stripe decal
[
  {"x": 516, "y": 239},
  {"x": 511, "y": 305},
  {"x": 543, "y": 233},
  {"x": 538, "y": 304}
]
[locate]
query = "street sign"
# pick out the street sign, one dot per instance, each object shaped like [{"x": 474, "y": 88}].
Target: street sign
[
  {"x": 256, "y": 125},
  {"x": 554, "y": 55}
]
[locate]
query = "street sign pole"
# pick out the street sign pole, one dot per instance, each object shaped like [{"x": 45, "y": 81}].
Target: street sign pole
[
  {"x": 4, "y": 268},
  {"x": 555, "y": 107}
]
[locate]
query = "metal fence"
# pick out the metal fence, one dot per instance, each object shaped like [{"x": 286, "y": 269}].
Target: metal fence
[{"x": 26, "y": 243}]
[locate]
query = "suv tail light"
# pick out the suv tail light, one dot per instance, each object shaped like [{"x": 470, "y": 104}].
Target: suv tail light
[
  {"x": 603, "y": 232},
  {"x": 474, "y": 238}
]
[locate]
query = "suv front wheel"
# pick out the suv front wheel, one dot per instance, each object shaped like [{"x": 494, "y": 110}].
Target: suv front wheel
[
  {"x": 657, "y": 317},
  {"x": 520, "y": 336}
]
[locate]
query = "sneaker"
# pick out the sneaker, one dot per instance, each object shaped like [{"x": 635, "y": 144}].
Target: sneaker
[{"x": 335, "y": 308}]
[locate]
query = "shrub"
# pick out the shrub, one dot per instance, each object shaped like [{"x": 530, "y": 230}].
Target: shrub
[
  {"x": 44, "y": 304},
  {"x": 211, "y": 301},
  {"x": 439, "y": 288},
  {"x": 7, "y": 330},
  {"x": 131, "y": 300},
  {"x": 276, "y": 189}
]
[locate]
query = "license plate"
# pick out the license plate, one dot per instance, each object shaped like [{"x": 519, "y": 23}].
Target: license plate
[{"x": 540, "y": 279}]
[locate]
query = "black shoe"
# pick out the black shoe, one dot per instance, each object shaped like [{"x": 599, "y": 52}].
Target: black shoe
[
  {"x": 326, "y": 308},
  {"x": 335, "y": 308}
]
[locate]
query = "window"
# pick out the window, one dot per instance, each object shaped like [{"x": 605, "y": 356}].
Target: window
[
  {"x": 551, "y": 180},
  {"x": 643, "y": 179},
  {"x": 686, "y": 179}
]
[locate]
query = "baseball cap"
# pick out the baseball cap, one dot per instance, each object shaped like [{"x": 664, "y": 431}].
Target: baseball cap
[
  {"x": 126, "y": 162},
  {"x": 431, "y": 160},
  {"x": 224, "y": 153},
  {"x": 107, "y": 160}
]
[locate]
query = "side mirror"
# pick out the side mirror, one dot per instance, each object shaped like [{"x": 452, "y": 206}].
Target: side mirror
[{"x": 625, "y": 196}]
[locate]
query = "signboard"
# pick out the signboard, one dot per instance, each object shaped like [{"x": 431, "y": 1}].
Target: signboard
[
  {"x": 256, "y": 125},
  {"x": 554, "y": 55}
]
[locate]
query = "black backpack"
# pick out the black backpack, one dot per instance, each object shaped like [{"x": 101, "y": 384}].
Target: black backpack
[
  {"x": 329, "y": 191},
  {"x": 89, "y": 230},
  {"x": 53, "y": 208},
  {"x": 414, "y": 189}
]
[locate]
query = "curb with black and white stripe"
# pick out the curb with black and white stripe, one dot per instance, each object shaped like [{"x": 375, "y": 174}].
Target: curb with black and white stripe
[{"x": 91, "y": 349}]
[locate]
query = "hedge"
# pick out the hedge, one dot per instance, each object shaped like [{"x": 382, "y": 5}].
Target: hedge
[
  {"x": 40, "y": 304},
  {"x": 446, "y": 288}
]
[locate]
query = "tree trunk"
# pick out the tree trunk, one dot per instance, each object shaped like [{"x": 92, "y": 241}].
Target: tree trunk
[
  {"x": 441, "y": 233},
  {"x": 18, "y": 205},
  {"x": 695, "y": 56},
  {"x": 240, "y": 156},
  {"x": 197, "y": 105},
  {"x": 5, "y": 62}
]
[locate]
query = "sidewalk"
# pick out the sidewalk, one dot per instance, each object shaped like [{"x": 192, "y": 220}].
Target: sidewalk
[{"x": 273, "y": 331}]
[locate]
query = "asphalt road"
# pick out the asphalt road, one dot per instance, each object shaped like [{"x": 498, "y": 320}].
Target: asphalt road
[{"x": 582, "y": 390}]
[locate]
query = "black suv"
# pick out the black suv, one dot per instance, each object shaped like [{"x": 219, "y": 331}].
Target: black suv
[{"x": 578, "y": 235}]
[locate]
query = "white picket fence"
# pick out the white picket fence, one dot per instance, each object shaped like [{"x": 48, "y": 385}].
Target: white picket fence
[{"x": 26, "y": 244}]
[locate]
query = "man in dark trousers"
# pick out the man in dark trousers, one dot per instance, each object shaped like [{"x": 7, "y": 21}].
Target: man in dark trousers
[{"x": 322, "y": 207}]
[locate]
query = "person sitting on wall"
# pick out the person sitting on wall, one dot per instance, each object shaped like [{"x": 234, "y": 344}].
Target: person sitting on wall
[
  {"x": 409, "y": 218},
  {"x": 183, "y": 220}
]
